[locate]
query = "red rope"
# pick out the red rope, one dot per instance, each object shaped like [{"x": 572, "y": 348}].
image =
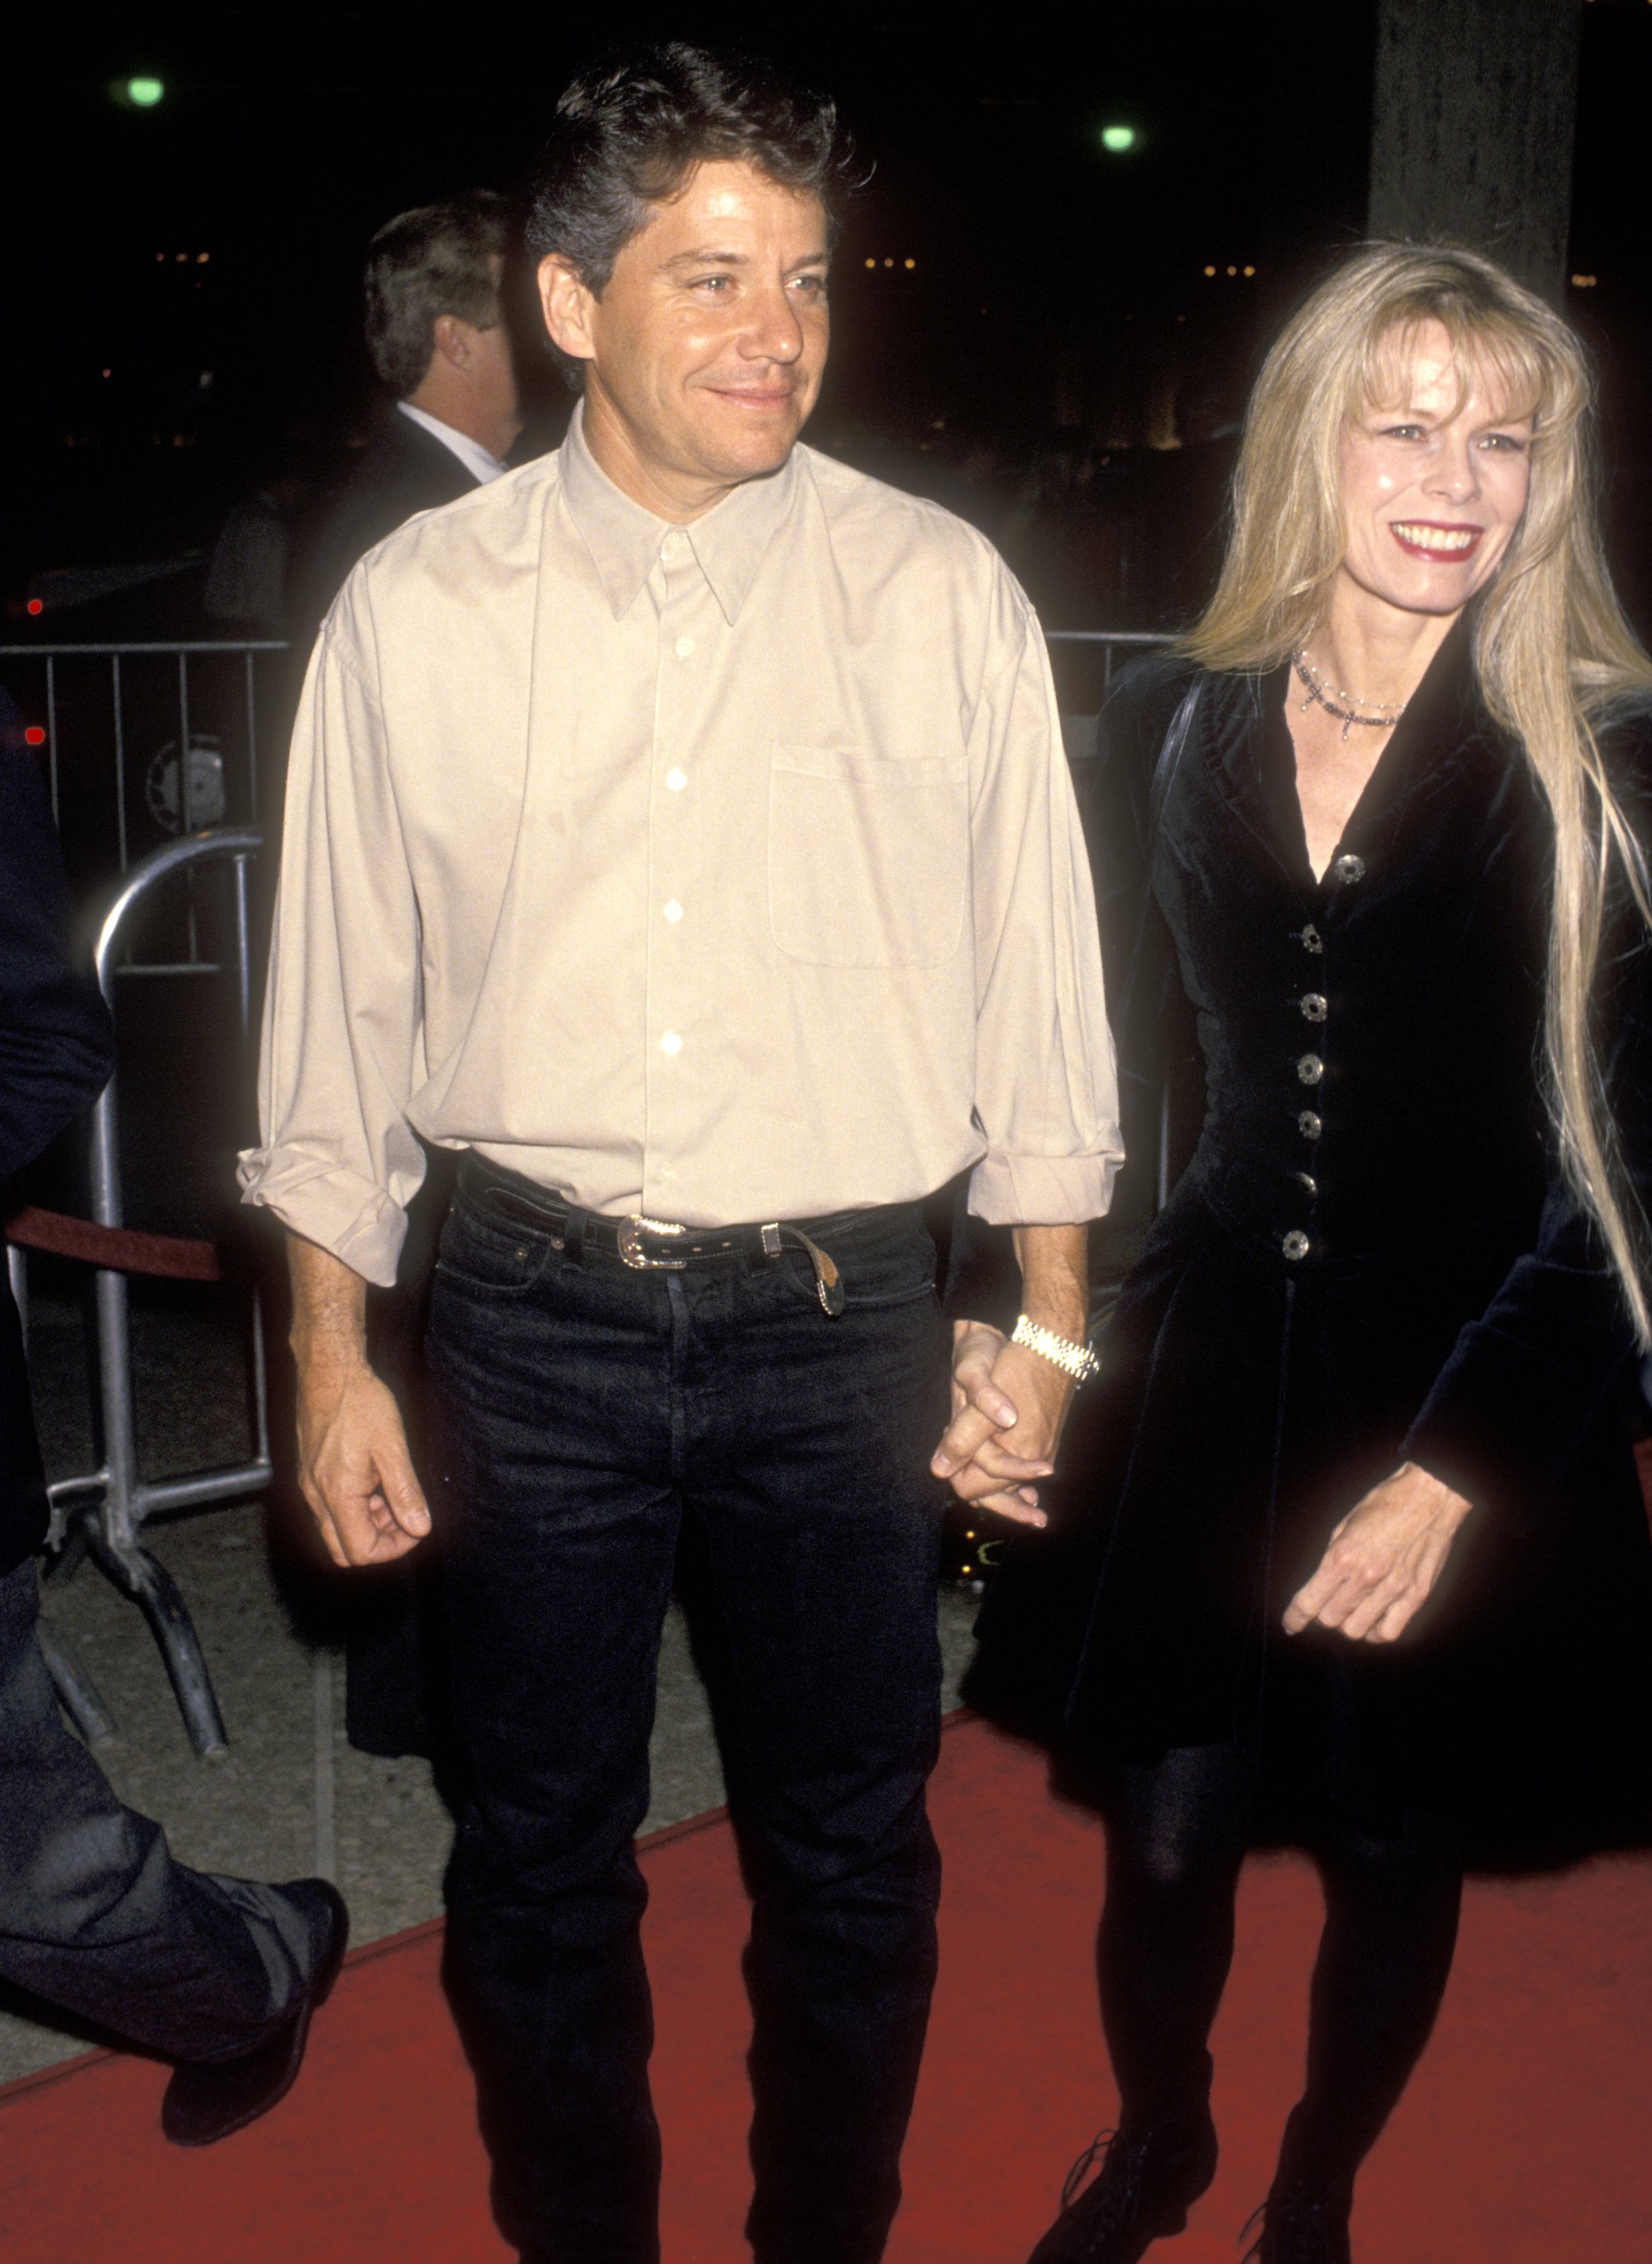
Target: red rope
[{"x": 117, "y": 1249}]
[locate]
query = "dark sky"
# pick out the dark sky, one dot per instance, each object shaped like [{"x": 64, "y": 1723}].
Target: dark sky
[{"x": 287, "y": 134}]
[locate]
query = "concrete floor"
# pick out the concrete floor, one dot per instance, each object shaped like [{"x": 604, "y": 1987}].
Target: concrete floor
[{"x": 291, "y": 1797}]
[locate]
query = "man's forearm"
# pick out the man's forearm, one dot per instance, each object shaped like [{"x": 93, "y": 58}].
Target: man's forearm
[
  {"x": 330, "y": 1309},
  {"x": 1054, "y": 1262}
]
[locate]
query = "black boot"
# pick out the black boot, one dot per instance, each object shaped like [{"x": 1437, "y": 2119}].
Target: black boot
[
  {"x": 1302, "y": 2224},
  {"x": 1149, "y": 2180}
]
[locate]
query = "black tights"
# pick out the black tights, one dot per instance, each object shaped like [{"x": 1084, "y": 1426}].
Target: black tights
[{"x": 1177, "y": 1837}]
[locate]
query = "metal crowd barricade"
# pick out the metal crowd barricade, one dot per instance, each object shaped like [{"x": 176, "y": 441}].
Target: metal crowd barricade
[
  {"x": 109, "y": 1505},
  {"x": 212, "y": 694}
]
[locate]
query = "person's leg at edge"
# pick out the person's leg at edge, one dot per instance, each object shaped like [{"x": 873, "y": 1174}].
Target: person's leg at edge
[
  {"x": 558, "y": 1524},
  {"x": 95, "y": 1915},
  {"x": 822, "y": 1528}
]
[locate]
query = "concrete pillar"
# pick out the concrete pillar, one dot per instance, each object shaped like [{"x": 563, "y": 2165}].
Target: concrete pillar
[{"x": 1473, "y": 126}]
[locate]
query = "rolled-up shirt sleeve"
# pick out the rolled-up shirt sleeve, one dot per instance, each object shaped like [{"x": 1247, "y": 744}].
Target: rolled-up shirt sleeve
[
  {"x": 1045, "y": 1093},
  {"x": 342, "y": 1046}
]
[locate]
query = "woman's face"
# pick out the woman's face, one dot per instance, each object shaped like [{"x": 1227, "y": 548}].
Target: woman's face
[{"x": 1432, "y": 490}]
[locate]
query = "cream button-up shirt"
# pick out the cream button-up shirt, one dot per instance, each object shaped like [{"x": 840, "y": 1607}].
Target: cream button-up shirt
[{"x": 722, "y": 873}]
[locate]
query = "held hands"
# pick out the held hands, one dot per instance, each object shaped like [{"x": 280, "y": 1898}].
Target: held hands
[
  {"x": 1382, "y": 1560},
  {"x": 354, "y": 1466},
  {"x": 1008, "y": 1405}
]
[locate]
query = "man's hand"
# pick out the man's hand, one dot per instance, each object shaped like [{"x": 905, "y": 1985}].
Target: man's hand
[
  {"x": 1383, "y": 1559},
  {"x": 354, "y": 1466},
  {"x": 1008, "y": 1409},
  {"x": 1009, "y": 1404}
]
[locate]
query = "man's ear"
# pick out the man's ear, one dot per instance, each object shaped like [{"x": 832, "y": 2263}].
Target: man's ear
[
  {"x": 567, "y": 302},
  {"x": 453, "y": 340}
]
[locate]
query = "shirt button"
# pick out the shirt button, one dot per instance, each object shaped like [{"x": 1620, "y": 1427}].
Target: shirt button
[
  {"x": 1295, "y": 1245},
  {"x": 1309, "y": 1184},
  {"x": 674, "y": 912},
  {"x": 1310, "y": 1125},
  {"x": 684, "y": 646},
  {"x": 670, "y": 1043},
  {"x": 1350, "y": 869},
  {"x": 1308, "y": 938},
  {"x": 675, "y": 543},
  {"x": 1313, "y": 1007},
  {"x": 677, "y": 780},
  {"x": 1310, "y": 1069}
]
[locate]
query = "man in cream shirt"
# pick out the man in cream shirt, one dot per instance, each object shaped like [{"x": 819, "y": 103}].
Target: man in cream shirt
[{"x": 678, "y": 827}]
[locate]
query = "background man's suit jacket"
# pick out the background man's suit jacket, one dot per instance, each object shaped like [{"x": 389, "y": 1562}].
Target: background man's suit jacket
[{"x": 404, "y": 470}]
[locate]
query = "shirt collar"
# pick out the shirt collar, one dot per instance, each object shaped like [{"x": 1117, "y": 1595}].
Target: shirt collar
[
  {"x": 471, "y": 453},
  {"x": 624, "y": 539}
]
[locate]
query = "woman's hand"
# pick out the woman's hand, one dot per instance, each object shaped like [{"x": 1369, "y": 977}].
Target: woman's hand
[
  {"x": 1382, "y": 1560},
  {"x": 1007, "y": 1408}
]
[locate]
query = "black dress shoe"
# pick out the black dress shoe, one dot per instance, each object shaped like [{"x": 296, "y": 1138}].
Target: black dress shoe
[
  {"x": 207, "y": 2099},
  {"x": 1149, "y": 2180},
  {"x": 1301, "y": 2224}
]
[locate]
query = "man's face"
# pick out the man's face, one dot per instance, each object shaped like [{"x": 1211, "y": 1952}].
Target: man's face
[{"x": 705, "y": 351}]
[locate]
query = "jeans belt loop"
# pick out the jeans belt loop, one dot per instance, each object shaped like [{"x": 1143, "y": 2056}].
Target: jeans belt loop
[{"x": 573, "y": 1235}]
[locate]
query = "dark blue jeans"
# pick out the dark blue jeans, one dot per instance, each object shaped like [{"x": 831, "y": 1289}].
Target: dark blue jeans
[{"x": 582, "y": 1411}]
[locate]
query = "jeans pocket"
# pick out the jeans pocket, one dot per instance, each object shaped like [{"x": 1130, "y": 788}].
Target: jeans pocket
[
  {"x": 496, "y": 1256},
  {"x": 892, "y": 1271}
]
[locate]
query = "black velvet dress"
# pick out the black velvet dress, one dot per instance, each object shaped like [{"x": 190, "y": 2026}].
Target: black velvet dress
[{"x": 1371, "y": 1259}]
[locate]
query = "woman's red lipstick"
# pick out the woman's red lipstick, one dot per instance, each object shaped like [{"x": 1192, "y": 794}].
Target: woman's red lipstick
[{"x": 1451, "y": 541}]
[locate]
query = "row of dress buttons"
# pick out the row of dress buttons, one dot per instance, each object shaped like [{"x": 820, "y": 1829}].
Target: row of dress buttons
[{"x": 1313, "y": 1007}]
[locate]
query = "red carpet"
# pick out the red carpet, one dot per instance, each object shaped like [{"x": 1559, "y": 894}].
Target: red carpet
[{"x": 1523, "y": 2140}]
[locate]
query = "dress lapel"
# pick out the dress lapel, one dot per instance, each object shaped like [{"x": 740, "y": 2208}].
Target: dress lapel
[{"x": 1248, "y": 757}]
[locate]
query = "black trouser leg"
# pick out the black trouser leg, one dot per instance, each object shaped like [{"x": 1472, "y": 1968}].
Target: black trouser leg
[
  {"x": 1390, "y": 1933},
  {"x": 1176, "y": 1839},
  {"x": 95, "y": 1916}
]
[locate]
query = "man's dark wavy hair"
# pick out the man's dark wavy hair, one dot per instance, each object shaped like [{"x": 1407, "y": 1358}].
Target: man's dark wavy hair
[{"x": 628, "y": 130}]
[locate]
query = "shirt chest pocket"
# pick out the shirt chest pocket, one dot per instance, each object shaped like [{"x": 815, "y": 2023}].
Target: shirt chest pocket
[{"x": 868, "y": 858}]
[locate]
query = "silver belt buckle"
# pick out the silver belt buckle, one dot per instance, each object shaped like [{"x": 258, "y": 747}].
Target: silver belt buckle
[{"x": 631, "y": 1250}]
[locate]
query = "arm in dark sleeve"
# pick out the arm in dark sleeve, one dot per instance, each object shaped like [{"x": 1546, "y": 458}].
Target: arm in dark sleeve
[
  {"x": 1527, "y": 1378},
  {"x": 56, "y": 1044},
  {"x": 1152, "y": 1021}
]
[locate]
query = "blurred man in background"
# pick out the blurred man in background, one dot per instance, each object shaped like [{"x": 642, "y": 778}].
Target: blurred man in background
[{"x": 440, "y": 342}]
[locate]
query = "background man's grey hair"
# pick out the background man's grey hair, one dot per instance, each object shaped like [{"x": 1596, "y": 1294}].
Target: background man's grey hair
[{"x": 437, "y": 259}]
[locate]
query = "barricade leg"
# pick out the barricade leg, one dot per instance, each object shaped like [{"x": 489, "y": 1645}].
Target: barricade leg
[
  {"x": 76, "y": 1693},
  {"x": 147, "y": 1580}
]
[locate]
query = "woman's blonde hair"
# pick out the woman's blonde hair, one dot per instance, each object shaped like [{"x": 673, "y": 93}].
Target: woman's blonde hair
[{"x": 1551, "y": 648}]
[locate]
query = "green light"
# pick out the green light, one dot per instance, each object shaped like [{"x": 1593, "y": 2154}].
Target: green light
[
  {"x": 1118, "y": 138},
  {"x": 144, "y": 93}
]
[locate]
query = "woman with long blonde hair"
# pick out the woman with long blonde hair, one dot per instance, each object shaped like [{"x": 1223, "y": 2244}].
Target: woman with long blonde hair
[{"x": 1347, "y": 1546}]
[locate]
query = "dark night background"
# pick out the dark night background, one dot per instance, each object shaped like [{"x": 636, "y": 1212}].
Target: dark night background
[{"x": 1057, "y": 361}]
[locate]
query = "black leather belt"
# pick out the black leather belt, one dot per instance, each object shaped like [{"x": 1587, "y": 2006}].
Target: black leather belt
[{"x": 652, "y": 1245}]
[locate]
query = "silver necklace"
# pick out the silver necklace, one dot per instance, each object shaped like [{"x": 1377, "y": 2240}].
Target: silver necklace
[{"x": 1380, "y": 715}]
